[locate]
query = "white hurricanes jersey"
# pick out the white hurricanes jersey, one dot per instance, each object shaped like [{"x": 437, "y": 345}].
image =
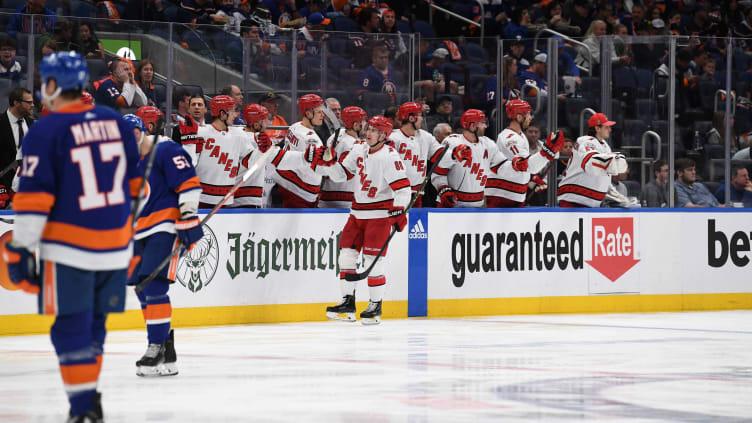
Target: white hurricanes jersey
[
  {"x": 303, "y": 182},
  {"x": 467, "y": 181},
  {"x": 338, "y": 195},
  {"x": 585, "y": 181},
  {"x": 252, "y": 190},
  {"x": 217, "y": 161},
  {"x": 507, "y": 182},
  {"x": 415, "y": 152},
  {"x": 382, "y": 183}
]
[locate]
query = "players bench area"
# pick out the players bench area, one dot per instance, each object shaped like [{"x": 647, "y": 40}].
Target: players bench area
[{"x": 271, "y": 266}]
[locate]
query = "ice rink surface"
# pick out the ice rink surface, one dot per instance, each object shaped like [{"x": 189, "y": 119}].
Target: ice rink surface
[{"x": 669, "y": 367}]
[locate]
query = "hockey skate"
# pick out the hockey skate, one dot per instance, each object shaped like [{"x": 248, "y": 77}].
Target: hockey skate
[
  {"x": 372, "y": 314},
  {"x": 154, "y": 363},
  {"x": 170, "y": 357},
  {"x": 344, "y": 311},
  {"x": 94, "y": 415}
]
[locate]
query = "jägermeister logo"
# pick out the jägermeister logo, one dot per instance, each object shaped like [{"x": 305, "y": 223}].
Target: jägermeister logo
[
  {"x": 250, "y": 253},
  {"x": 197, "y": 267}
]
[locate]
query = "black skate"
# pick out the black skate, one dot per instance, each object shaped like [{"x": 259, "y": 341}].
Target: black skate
[
  {"x": 344, "y": 311},
  {"x": 170, "y": 357},
  {"x": 372, "y": 314},
  {"x": 152, "y": 363},
  {"x": 92, "y": 416}
]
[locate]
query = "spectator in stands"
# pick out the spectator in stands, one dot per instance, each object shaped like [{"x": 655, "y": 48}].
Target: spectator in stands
[
  {"x": 564, "y": 156},
  {"x": 742, "y": 30},
  {"x": 10, "y": 68},
  {"x": 511, "y": 86},
  {"x": 395, "y": 43},
  {"x": 311, "y": 7},
  {"x": 622, "y": 42},
  {"x": 648, "y": 55},
  {"x": 633, "y": 20},
  {"x": 517, "y": 51},
  {"x": 699, "y": 24},
  {"x": 88, "y": 44},
  {"x": 442, "y": 114},
  {"x": 717, "y": 134},
  {"x": 556, "y": 21},
  {"x": 708, "y": 70},
  {"x": 237, "y": 95},
  {"x": 333, "y": 105},
  {"x": 517, "y": 26},
  {"x": 260, "y": 50},
  {"x": 145, "y": 10},
  {"x": 689, "y": 192},
  {"x": 441, "y": 131},
  {"x": 283, "y": 11},
  {"x": 535, "y": 77},
  {"x": 580, "y": 14},
  {"x": 269, "y": 100},
  {"x": 433, "y": 74},
  {"x": 655, "y": 192},
  {"x": 391, "y": 113},
  {"x": 593, "y": 41},
  {"x": 14, "y": 123},
  {"x": 62, "y": 33},
  {"x": 532, "y": 133},
  {"x": 21, "y": 20},
  {"x": 119, "y": 90},
  {"x": 197, "y": 109},
  {"x": 238, "y": 16},
  {"x": 47, "y": 47},
  {"x": 360, "y": 44},
  {"x": 380, "y": 76},
  {"x": 741, "y": 187},
  {"x": 145, "y": 80},
  {"x": 181, "y": 100},
  {"x": 200, "y": 12},
  {"x": 566, "y": 65}
]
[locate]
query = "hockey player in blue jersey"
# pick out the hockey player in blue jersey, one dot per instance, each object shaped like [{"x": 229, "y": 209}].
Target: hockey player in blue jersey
[
  {"x": 77, "y": 179},
  {"x": 168, "y": 217}
]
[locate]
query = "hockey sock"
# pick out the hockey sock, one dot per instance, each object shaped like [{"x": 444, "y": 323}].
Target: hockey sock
[
  {"x": 98, "y": 333},
  {"x": 72, "y": 338},
  {"x": 376, "y": 285},
  {"x": 347, "y": 287},
  {"x": 157, "y": 310}
]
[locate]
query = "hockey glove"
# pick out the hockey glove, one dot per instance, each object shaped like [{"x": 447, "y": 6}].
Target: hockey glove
[
  {"x": 189, "y": 133},
  {"x": 463, "y": 153},
  {"x": 617, "y": 165},
  {"x": 263, "y": 142},
  {"x": 539, "y": 183},
  {"x": 447, "y": 198},
  {"x": 22, "y": 268},
  {"x": 552, "y": 146},
  {"x": 399, "y": 218},
  {"x": 189, "y": 231},
  {"x": 519, "y": 164},
  {"x": 5, "y": 196}
]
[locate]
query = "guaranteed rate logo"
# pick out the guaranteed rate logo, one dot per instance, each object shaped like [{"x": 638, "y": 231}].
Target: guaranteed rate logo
[
  {"x": 516, "y": 252},
  {"x": 613, "y": 246}
]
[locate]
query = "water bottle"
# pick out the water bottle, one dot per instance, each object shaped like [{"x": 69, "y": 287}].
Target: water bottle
[
  {"x": 698, "y": 141},
  {"x": 436, "y": 76}
]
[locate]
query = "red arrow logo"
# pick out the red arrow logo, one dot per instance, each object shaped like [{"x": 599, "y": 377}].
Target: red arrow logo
[{"x": 613, "y": 246}]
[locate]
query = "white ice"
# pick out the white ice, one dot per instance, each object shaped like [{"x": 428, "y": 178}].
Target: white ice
[{"x": 689, "y": 367}]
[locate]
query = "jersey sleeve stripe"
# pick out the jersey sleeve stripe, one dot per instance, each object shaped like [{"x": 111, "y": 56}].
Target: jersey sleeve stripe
[
  {"x": 580, "y": 190},
  {"x": 588, "y": 157},
  {"x": 189, "y": 184},
  {"x": 33, "y": 202},
  {"x": 399, "y": 184},
  {"x": 506, "y": 185},
  {"x": 436, "y": 154},
  {"x": 249, "y": 192},
  {"x": 278, "y": 158},
  {"x": 385, "y": 205},
  {"x": 295, "y": 179},
  {"x": 135, "y": 185},
  {"x": 92, "y": 239},
  {"x": 170, "y": 214},
  {"x": 441, "y": 171}
]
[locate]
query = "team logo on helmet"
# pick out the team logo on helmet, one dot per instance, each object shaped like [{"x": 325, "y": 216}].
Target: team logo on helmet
[{"x": 197, "y": 267}]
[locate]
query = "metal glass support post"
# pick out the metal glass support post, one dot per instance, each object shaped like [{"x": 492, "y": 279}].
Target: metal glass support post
[
  {"x": 246, "y": 68},
  {"x": 30, "y": 56},
  {"x": 411, "y": 66},
  {"x": 671, "y": 117},
  {"x": 322, "y": 76},
  {"x": 727, "y": 141},
  {"x": 552, "y": 73},
  {"x": 169, "y": 88},
  {"x": 605, "y": 58},
  {"x": 294, "y": 77},
  {"x": 499, "y": 85}
]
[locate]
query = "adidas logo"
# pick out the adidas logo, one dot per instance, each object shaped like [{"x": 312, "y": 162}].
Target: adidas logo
[{"x": 418, "y": 232}]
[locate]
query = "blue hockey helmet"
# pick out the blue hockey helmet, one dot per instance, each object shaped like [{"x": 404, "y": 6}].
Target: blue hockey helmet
[
  {"x": 68, "y": 69},
  {"x": 135, "y": 122}
]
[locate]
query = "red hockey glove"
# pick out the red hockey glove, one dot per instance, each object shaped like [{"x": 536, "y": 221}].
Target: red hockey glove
[
  {"x": 540, "y": 184},
  {"x": 22, "y": 268},
  {"x": 264, "y": 142},
  {"x": 189, "y": 231},
  {"x": 399, "y": 218},
  {"x": 189, "y": 133},
  {"x": 447, "y": 198},
  {"x": 519, "y": 164},
  {"x": 554, "y": 143},
  {"x": 463, "y": 153},
  {"x": 6, "y": 195}
]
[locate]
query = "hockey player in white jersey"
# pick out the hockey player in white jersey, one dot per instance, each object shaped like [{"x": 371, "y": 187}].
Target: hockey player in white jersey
[
  {"x": 216, "y": 151},
  {"x": 251, "y": 193},
  {"x": 460, "y": 182},
  {"x": 508, "y": 187},
  {"x": 339, "y": 195},
  {"x": 382, "y": 194},
  {"x": 588, "y": 175},
  {"x": 414, "y": 145},
  {"x": 300, "y": 188}
]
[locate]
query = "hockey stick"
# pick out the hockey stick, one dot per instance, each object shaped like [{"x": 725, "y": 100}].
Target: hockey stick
[
  {"x": 147, "y": 172},
  {"x": 10, "y": 167},
  {"x": 259, "y": 163},
  {"x": 8, "y": 221},
  {"x": 331, "y": 120},
  {"x": 354, "y": 277}
]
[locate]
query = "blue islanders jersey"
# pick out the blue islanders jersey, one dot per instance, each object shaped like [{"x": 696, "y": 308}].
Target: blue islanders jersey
[
  {"x": 78, "y": 176},
  {"x": 171, "y": 175},
  {"x": 372, "y": 79},
  {"x": 108, "y": 94}
]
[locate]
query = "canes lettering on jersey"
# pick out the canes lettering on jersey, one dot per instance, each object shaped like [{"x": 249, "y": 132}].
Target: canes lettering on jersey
[{"x": 218, "y": 161}]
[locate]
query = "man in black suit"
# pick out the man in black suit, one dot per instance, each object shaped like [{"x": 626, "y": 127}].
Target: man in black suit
[{"x": 14, "y": 123}]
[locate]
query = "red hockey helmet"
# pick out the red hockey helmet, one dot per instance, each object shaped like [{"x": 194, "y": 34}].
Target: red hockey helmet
[
  {"x": 407, "y": 109},
  {"x": 220, "y": 103},
  {"x": 149, "y": 114},
  {"x": 308, "y": 102},
  {"x": 87, "y": 98},
  {"x": 382, "y": 124},
  {"x": 517, "y": 107},
  {"x": 472, "y": 116},
  {"x": 253, "y": 113},
  {"x": 353, "y": 114}
]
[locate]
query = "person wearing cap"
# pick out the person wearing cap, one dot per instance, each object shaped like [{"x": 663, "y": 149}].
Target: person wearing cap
[
  {"x": 517, "y": 51},
  {"x": 535, "y": 77},
  {"x": 588, "y": 176},
  {"x": 237, "y": 16},
  {"x": 269, "y": 100},
  {"x": 433, "y": 74},
  {"x": 10, "y": 68},
  {"x": 566, "y": 67},
  {"x": 443, "y": 113}
]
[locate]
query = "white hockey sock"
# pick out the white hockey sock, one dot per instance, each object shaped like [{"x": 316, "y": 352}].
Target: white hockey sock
[
  {"x": 347, "y": 287},
  {"x": 376, "y": 292}
]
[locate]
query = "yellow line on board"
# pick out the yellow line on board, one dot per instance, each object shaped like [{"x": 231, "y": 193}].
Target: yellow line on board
[{"x": 30, "y": 324}]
